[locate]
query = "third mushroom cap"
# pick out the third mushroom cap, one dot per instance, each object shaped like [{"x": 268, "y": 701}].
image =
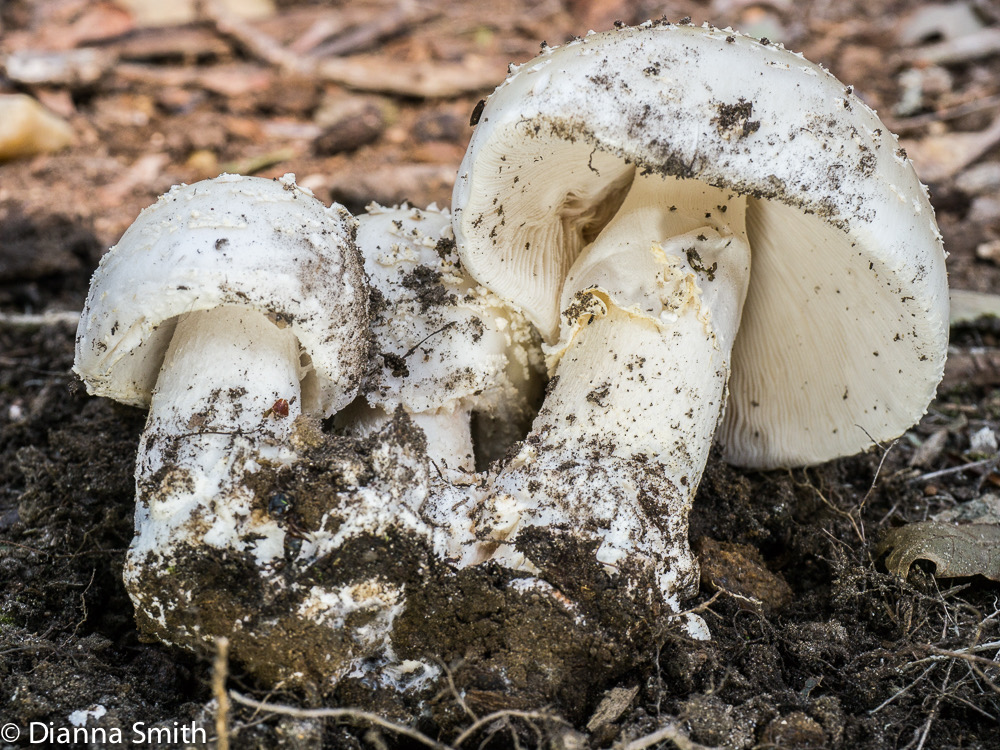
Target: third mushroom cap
[{"x": 717, "y": 240}]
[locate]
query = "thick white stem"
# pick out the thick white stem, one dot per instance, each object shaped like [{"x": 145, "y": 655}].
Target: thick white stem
[
  {"x": 651, "y": 309},
  {"x": 227, "y": 395}
]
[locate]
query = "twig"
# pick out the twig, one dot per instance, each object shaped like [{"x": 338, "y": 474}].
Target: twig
[
  {"x": 220, "y": 671},
  {"x": 255, "y": 43},
  {"x": 959, "y": 110},
  {"x": 859, "y": 532},
  {"x": 955, "y": 469},
  {"x": 979, "y": 366},
  {"x": 428, "y": 80},
  {"x": 443, "y": 328},
  {"x": 31, "y": 320},
  {"x": 878, "y": 470},
  {"x": 669, "y": 732},
  {"x": 385, "y": 26},
  {"x": 698, "y": 609},
  {"x": 451, "y": 682},
  {"x": 526, "y": 715},
  {"x": 902, "y": 691},
  {"x": 350, "y": 714},
  {"x": 934, "y": 711},
  {"x": 968, "y": 654}
]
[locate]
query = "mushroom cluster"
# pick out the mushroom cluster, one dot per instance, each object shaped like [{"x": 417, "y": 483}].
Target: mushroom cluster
[{"x": 697, "y": 237}]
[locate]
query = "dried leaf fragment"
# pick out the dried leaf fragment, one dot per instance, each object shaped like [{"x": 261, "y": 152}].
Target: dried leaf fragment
[
  {"x": 956, "y": 551},
  {"x": 614, "y": 703}
]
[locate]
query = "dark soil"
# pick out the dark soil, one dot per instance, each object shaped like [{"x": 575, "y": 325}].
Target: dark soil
[{"x": 815, "y": 644}]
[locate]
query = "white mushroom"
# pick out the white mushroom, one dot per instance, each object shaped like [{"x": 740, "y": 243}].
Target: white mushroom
[
  {"x": 460, "y": 363},
  {"x": 229, "y": 308},
  {"x": 618, "y": 190}
]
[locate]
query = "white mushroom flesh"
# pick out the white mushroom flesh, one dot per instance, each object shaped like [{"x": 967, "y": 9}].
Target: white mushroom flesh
[
  {"x": 226, "y": 397},
  {"x": 650, "y": 312}
]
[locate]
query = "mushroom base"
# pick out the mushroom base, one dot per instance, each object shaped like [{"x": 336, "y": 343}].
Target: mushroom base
[
  {"x": 351, "y": 544},
  {"x": 363, "y": 598}
]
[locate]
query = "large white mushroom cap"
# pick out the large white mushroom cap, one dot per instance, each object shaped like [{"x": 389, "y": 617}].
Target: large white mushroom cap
[
  {"x": 247, "y": 242},
  {"x": 844, "y": 329}
]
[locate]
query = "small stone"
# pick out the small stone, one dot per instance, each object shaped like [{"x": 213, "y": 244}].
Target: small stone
[
  {"x": 350, "y": 132},
  {"x": 983, "y": 441},
  {"x": 27, "y": 128},
  {"x": 739, "y": 570}
]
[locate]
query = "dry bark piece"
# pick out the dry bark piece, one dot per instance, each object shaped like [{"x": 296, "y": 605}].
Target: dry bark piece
[
  {"x": 956, "y": 551},
  {"x": 423, "y": 183},
  {"x": 422, "y": 79},
  {"x": 614, "y": 703},
  {"x": 354, "y": 128},
  {"x": 72, "y": 68},
  {"x": 952, "y": 21},
  {"x": 974, "y": 367},
  {"x": 928, "y": 451},
  {"x": 968, "y": 306},
  {"x": 961, "y": 49},
  {"x": 938, "y": 157}
]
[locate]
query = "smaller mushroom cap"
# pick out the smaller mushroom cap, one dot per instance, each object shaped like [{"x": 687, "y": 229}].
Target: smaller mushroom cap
[
  {"x": 446, "y": 342},
  {"x": 266, "y": 245}
]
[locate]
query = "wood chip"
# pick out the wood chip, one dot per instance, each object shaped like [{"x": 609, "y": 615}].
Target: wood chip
[
  {"x": 951, "y": 21},
  {"x": 968, "y": 306},
  {"x": 185, "y": 43},
  {"x": 928, "y": 452},
  {"x": 179, "y": 12},
  {"x": 71, "y": 68},
  {"x": 382, "y": 27},
  {"x": 614, "y": 703},
  {"x": 419, "y": 183},
  {"x": 424, "y": 80},
  {"x": 960, "y": 49},
  {"x": 939, "y": 157}
]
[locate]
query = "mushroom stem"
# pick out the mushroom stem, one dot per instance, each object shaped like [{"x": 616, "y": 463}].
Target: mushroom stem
[
  {"x": 447, "y": 431},
  {"x": 215, "y": 411},
  {"x": 650, "y": 312}
]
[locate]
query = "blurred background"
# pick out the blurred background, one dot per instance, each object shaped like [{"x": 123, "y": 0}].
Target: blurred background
[{"x": 105, "y": 105}]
